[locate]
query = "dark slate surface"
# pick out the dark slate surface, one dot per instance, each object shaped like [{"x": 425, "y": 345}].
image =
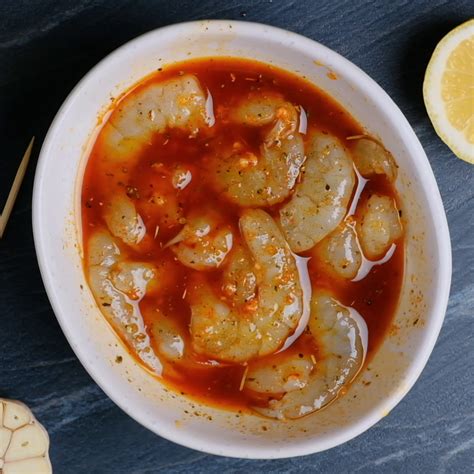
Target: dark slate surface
[{"x": 45, "y": 48}]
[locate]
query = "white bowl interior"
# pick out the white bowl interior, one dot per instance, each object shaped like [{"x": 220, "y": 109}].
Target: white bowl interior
[{"x": 408, "y": 344}]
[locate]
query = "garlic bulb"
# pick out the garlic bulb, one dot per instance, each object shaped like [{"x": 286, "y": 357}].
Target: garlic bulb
[{"x": 24, "y": 443}]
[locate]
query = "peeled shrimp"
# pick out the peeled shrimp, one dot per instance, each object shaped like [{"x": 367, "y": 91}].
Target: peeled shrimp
[
  {"x": 175, "y": 103},
  {"x": 118, "y": 286},
  {"x": 239, "y": 279},
  {"x": 266, "y": 179},
  {"x": 320, "y": 200},
  {"x": 349, "y": 253},
  {"x": 340, "y": 251},
  {"x": 202, "y": 243},
  {"x": 171, "y": 343},
  {"x": 123, "y": 220},
  {"x": 370, "y": 157},
  {"x": 262, "y": 325},
  {"x": 167, "y": 337},
  {"x": 302, "y": 384},
  {"x": 378, "y": 226},
  {"x": 289, "y": 374}
]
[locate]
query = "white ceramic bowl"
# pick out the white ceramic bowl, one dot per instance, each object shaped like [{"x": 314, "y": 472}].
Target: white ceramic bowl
[{"x": 56, "y": 224}]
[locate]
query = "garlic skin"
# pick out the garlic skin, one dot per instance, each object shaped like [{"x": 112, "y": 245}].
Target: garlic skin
[{"x": 24, "y": 443}]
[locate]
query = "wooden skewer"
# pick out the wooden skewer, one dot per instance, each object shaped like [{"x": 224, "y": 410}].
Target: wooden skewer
[{"x": 5, "y": 215}]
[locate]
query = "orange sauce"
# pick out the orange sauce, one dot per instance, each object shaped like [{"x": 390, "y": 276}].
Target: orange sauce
[{"x": 228, "y": 80}]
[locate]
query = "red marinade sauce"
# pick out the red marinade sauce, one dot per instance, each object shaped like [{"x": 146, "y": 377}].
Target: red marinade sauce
[{"x": 229, "y": 81}]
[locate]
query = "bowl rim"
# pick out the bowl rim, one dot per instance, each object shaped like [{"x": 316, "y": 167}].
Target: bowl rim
[{"x": 442, "y": 284}]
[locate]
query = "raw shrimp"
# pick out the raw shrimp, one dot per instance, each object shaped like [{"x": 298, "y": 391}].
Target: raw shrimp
[
  {"x": 239, "y": 280},
  {"x": 261, "y": 326},
  {"x": 305, "y": 383},
  {"x": 286, "y": 374},
  {"x": 123, "y": 220},
  {"x": 251, "y": 180},
  {"x": 172, "y": 343},
  {"x": 349, "y": 254},
  {"x": 378, "y": 225},
  {"x": 202, "y": 243},
  {"x": 162, "y": 194},
  {"x": 370, "y": 157},
  {"x": 321, "y": 198},
  {"x": 118, "y": 286},
  {"x": 340, "y": 250},
  {"x": 175, "y": 103},
  {"x": 167, "y": 336}
]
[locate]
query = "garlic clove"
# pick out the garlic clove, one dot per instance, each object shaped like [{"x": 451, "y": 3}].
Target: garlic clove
[
  {"x": 5, "y": 437},
  {"x": 27, "y": 442},
  {"x": 38, "y": 465},
  {"x": 15, "y": 415}
]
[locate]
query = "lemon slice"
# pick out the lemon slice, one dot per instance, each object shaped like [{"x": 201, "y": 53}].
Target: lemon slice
[{"x": 448, "y": 90}]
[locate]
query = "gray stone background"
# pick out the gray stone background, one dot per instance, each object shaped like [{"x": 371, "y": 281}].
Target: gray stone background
[{"x": 45, "y": 48}]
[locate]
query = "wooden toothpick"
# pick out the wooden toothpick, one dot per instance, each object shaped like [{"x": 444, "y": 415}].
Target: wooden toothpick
[{"x": 4, "y": 216}]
